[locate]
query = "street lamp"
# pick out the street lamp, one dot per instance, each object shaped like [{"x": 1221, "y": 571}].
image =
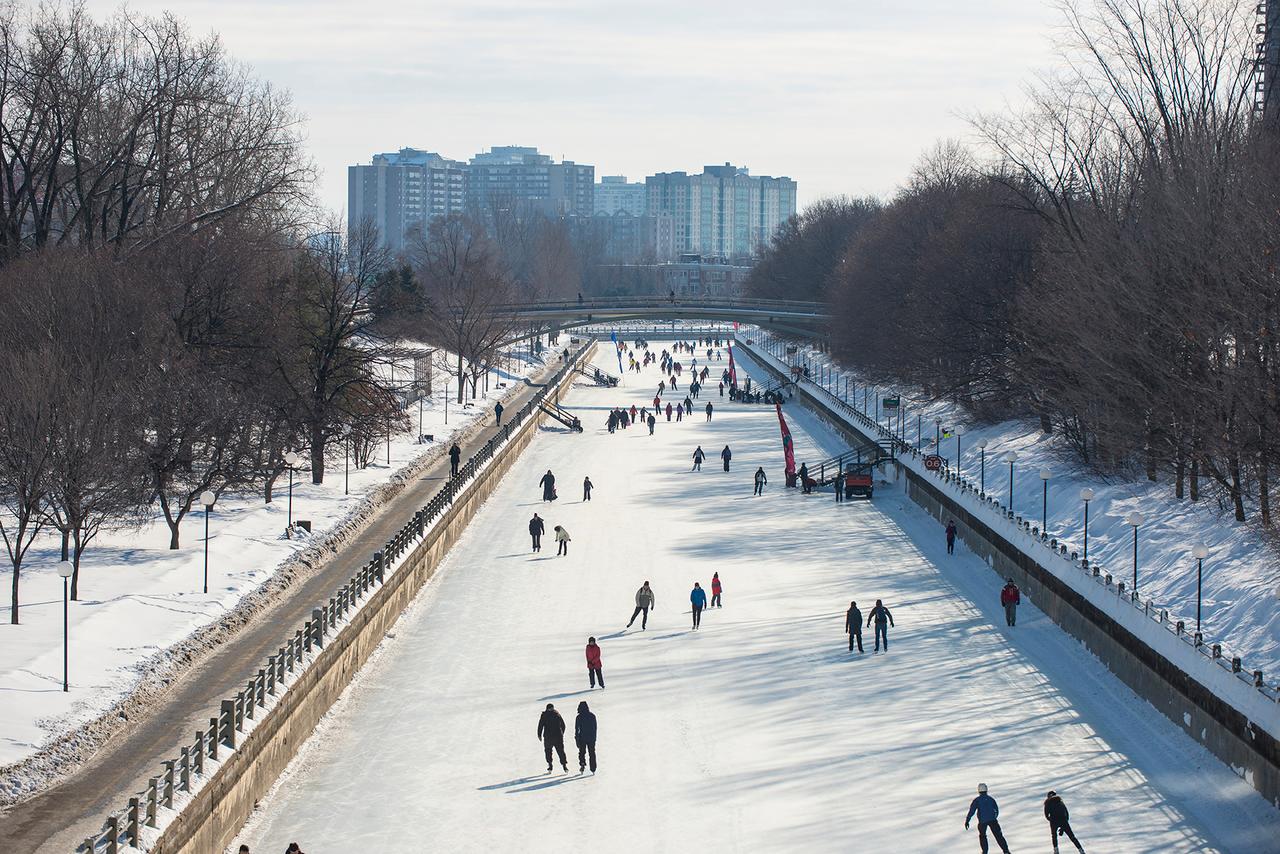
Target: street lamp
[
  {"x": 207, "y": 498},
  {"x": 1086, "y": 495},
  {"x": 937, "y": 431},
  {"x": 1199, "y": 551},
  {"x": 291, "y": 459},
  {"x": 64, "y": 570},
  {"x": 982, "y": 456},
  {"x": 960, "y": 431},
  {"x": 1045, "y": 474},
  {"x": 1135, "y": 519},
  {"x": 1011, "y": 458},
  {"x": 346, "y": 455}
]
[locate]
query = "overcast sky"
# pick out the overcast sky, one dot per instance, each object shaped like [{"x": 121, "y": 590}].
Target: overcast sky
[{"x": 840, "y": 95}]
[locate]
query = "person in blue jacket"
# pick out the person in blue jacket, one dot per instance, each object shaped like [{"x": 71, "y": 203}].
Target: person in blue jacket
[
  {"x": 988, "y": 812},
  {"x": 880, "y": 616},
  {"x": 698, "y": 598}
]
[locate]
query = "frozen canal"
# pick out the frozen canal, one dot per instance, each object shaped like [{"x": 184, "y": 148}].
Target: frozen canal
[{"x": 759, "y": 732}]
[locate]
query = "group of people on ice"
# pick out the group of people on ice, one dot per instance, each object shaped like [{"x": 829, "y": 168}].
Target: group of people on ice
[
  {"x": 1010, "y": 595},
  {"x": 537, "y": 525},
  {"x": 988, "y": 813}
]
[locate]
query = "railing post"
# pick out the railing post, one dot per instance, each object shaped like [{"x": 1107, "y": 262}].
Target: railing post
[
  {"x": 113, "y": 834},
  {"x": 262, "y": 688},
  {"x": 229, "y": 728},
  {"x": 197, "y": 759},
  {"x": 131, "y": 818},
  {"x": 167, "y": 795},
  {"x": 184, "y": 770},
  {"x": 215, "y": 729},
  {"x": 318, "y": 624},
  {"x": 153, "y": 787},
  {"x": 271, "y": 677},
  {"x": 379, "y": 567}
]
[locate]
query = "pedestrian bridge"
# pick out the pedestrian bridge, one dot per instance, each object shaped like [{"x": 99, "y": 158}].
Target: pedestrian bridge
[{"x": 784, "y": 315}]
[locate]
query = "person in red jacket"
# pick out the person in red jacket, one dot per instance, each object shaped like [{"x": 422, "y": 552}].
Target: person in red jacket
[
  {"x": 1010, "y": 598},
  {"x": 715, "y": 590},
  {"x": 594, "y": 670}
]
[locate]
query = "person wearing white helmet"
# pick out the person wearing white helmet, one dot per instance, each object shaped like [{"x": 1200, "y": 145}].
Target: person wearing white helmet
[{"x": 988, "y": 814}]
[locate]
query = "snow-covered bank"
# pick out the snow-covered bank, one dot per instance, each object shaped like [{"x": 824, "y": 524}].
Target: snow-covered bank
[{"x": 139, "y": 600}]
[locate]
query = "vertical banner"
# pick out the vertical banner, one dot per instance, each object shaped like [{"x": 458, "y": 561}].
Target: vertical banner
[
  {"x": 613, "y": 336},
  {"x": 733, "y": 372},
  {"x": 787, "y": 451}
]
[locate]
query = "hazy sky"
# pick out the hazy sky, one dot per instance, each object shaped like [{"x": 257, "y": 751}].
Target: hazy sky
[{"x": 840, "y": 96}]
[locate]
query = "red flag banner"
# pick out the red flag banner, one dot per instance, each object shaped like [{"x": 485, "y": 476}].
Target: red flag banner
[
  {"x": 787, "y": 450},
  {"x": 733, "y": 372}
]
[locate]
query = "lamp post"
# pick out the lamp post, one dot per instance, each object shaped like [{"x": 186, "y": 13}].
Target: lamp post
[
  {"x": 1199, "y": 551},
  {"x": 64, "y": 570},
  {"x": 346, "y": 456},
  {"x": 1135, "y": 519},
  {"x": 937, "y": 432},
  {"x": 207, "y": 498},
  {"x": 291, "y": 459},
  {"x": 982, "y": 457},
  {"x": 1086, "y": 495},
  {"x": 1011, "y": 458},
  {"x": 960, "y": 431},
  {"x": 1045, "y": 474}
]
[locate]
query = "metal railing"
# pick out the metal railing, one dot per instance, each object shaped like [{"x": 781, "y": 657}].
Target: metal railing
[
  {"x": 124, "y": 828},
  {"x": 816, "y": 309}
]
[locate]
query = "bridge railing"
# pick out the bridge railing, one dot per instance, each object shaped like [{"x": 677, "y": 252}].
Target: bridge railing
[{"x": 605, "y": 303}]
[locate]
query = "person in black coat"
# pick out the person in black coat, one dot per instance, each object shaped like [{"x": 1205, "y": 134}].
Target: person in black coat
[
  {"x": 584, "y": 735},
  {"x": 853, "y": 625},
  {"x": 551, "y": 734},
  {"x": 586, "y": 489},
  {"x": 726, "y": 455},
  {"x": 1055, "y": 811},
  {"x": 497, "y": 414},
  {"x": 455, "y": 454},
  {"x": 536, "y": 530},
  {"x": 880, "y": 614},
  {"x": 548, "y": 484}
]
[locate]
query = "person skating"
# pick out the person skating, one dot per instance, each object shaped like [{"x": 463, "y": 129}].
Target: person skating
[
  {"x": 688, "y": 405},
  {"x": 679, "y": 414},
  {"x": 584, "y": 735},
  {"x": 804, "y": 478},
  {"x": 708, "y": 410},
  {"x": 586, "y": 489},
  {"x": 548, "y": 484},
  {"x": 562, "y": 541},
  {"x": 668, "y": 412},
  {"x": 536, "y": 530},
  {"x": 951, "y": 537},
  {"x": 651, "y": 422},
  {"x": 760, "y": 479},
  {"x": 698, "y": 457},
  {"x": 497, "y": 414},
  {"x": 697, "y": 598},
  {"x": 644, "y": 601},
  {"x": 726, "y": 455},
  {"x": 1055, "y": 812},
  {"x": 988, "y": 814},
  {"x": 883, "y": 619},
  {"x": 1010, "y": 598},
  {"x": 455, "y": 455},
  {"x": 551, "y": 734},
  {"x": 853, "y": 626},
  {"x": 634, "y": 413},
  {"x": 594, "y": 668},
  {"x": 716, "y": 589},
  {"x": 839, "y": 486},
  {"x": 722, "y": 389}
]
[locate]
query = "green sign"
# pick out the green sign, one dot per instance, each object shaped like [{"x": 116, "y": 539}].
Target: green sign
[{"x": 889, "y": 403}]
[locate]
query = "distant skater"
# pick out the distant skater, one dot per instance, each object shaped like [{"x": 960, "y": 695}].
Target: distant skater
[
  {"x": 698, "y": 598},
  {"x": 715, "y": 590},
  {"x": 562, "y": 545},
  {"x": 951, "y": 537},
  {"x": 853, "y": 626},
  {"x": 839, "y": 485},
  {"x": 988, "y": 813},
  {"x": 883, "y": 619},
  {"x": 760, "y": 479},
  {"x": 584, "y": 735},
  {"x": 698, "y": 457},
  {"x": 644, "y": 601},
  {"x": 536, "y": 530},
  {"x": 595, "y": 670},
  {"x": 708, "y": 410},
  {"x": 651, "y": 422},
  {"x": 455, "y": 456},
  {"x": 548, "y": 484},
  {"x": 1055, "y": 812},
  {"x": 1010, "y": 598},
  {"x": 726, "y": 455},
  {"x": 586, "y": 489},
  {"x": 551, "y": 734}
]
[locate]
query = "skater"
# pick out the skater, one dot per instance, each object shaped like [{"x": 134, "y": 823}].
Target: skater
[
  {"x": 761, "y": 480},
  {"x": 548, "y": 484},
  {"x": 853, "y": 625},
  {"x": 839, "y": 486},
  {"x": 698, "y": 598},
  {"x": 722, "y": 389},
  {"x": 551, "y": 734},
  {"x": 708, "y": 410},
  {"x": 988, "y": 812},
  {"x": 651, "y": 422},
  {"x": 536, "y": 530},
  {"x": 455, "y": 454},
  {"x": 562, "y": 543},
  {"x": 497, "y": 413},
  {"x": 644, "y": 601},
  {"x": 1010, "y": 598},
  {"x": 726, "y": 455},
  {"x": 594, "y": 668},
  {"x": 586, "y": 489},
  {"x": 804, "y": 478},
  {"x": 679, "y": 414},
  {"x": 668, "y": 412},
  {"x": 1055, "y": 812},
  {"x": 882, "y": 617},
  {"x": 584, "y": 735},
  {"x": 951, "y": 537},
  {"x": 698, "y": 457},
  {"x": 715, "y": 590}
]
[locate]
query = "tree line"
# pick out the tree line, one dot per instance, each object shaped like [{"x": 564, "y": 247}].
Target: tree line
[{"x": 1102, "y": 260}]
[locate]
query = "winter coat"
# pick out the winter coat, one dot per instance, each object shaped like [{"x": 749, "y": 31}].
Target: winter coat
[
  {"x": 645, "y": 598},
  {"x": 985, "y": 806},
  {"x": 548, "y": 484},
  {"x": 536, "y": 526},
  {"x": 760, "y": 478},
  {"x": 715, "y": 586},
  {"x": 881, "y": 615},
  {"x": 584, "y": 727},
  {"x": 853, "y": 621},
  {"x": 698, "y": 597},
  {"x": 455, "y": 453},
  {"x": 726, "y": 454},
  {"x": 1056, "y": 811},
  {"x": 1009, "y": 595},
  {"x": 698, "y": 456},
  {"x": 562, "y": 536},
  {"x": 593, "y": 656},
  {"x": 551, "y": 726},
  {"x": 951, "y": 531}
]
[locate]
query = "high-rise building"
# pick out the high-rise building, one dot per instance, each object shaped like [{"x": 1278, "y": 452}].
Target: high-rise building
[
  {"x": 724, "y": 211},
  {"x": 614, "y": 194},
  {"x": 403, "y": 191},
  {"x": 519, "y": 177}
]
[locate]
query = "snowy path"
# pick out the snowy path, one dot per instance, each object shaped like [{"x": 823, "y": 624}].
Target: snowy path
[{"x": 759, "y": 732}]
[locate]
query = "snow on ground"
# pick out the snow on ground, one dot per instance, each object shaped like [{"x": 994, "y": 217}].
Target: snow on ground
[
  {"x": 137, "y": 598},
  {"x": 1241, "y": 597},
  {"x": 759, "y": 732}
]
